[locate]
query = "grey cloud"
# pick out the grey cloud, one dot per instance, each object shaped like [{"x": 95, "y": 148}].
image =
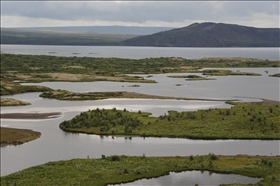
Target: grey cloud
[{"x": 139, "y": 11}]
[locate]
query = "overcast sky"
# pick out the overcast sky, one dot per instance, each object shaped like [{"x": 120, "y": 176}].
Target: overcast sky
[{"x": 139, "y": 13}]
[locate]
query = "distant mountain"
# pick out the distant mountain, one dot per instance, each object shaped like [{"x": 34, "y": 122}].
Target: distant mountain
[
  {"x": 210, "y": 35},
  {"x": 54, "y": 37},
  {"x": 131, "y": 30}
]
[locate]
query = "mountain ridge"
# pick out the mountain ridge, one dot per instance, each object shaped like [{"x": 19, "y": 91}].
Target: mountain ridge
[{"x": 209, "y": 34}]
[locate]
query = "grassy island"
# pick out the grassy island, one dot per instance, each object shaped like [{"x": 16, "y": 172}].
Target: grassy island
[
  {"x": 192, "y": 77},
  {"x": 73, "y": 96},
  {"x": 39, "y": 68},
  {"x": 242, "y": 121},
  {"x": 228, "y": 73},
  {"x": 12, "y": 102},
  {"x": 121, "y": 169},
  {"x": 67, "y": 95},
  {"x": 275, "y": 75},
  {"x": 15, "y": 136}
]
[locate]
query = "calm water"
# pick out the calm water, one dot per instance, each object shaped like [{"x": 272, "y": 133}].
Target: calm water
[
  {"x": 224, "y": 87},
  {"x": 190, "y": 178},
  {"x": 142, "y": 52}
]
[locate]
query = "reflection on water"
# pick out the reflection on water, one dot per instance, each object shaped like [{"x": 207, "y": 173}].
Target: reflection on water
[
  {"x": 143, "y": 52},
  {"x": 190, "y": 178}
]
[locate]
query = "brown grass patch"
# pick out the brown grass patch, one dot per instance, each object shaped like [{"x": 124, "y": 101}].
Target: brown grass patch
[{"x": 17, "y": 136}]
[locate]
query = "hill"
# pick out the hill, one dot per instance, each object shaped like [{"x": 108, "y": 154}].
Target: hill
[{"x": 210, "y": 35}]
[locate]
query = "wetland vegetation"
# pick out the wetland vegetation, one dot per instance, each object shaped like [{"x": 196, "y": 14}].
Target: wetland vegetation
[
  {"x": 275, "y": 75},
  {"x": 247, "y": 120},
  {"x": 74, "y": 96},
  {"x": 67, "y": 95},
  {"x": 242, "y": 121},
  {"x": 228, "y": 73},
  {"x": 15, "y": 136},
  {"x": 120, "y": 169},
  {"x": 192, "y": 77},
  {"x": 12, "y": 102},
  {"x": 16, "y": 69}
]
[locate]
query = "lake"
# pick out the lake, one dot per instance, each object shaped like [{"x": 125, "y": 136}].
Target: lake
[
  {"x": 142, "y": 52},
  {"x": 56, "y": 144}
]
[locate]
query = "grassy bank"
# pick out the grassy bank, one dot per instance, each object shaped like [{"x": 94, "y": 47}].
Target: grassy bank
[
  {"x": 12, "y": 102},
  {"x": 15, "y": 136},
  {"x": 119, "y": 169},
  {"x": 242, "y": 121}
]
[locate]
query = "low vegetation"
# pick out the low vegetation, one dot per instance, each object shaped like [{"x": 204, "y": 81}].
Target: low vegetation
[
  {"x": 39, "y": 68},
  {"x": 15, "y": 136},
  {"x": 12, "y": 102},
  {"x": 242, "y": 121},
  {"x": 8, "y": 88},
  {"x": 228, "y": 73},
  {"x": 192, "y": 77},
  {"x": 275, "y": 75},
  {"x": 67, "y": 95},
  {"x": 120, "y": 169}
]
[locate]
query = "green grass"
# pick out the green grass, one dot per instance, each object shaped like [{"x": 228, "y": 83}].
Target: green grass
[
  {"x": 228, "y": 73},
  {"x": 242, "y": 121},
  {"x": 120, "y": 169}
]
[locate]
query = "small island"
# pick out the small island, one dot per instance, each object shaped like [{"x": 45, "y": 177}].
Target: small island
[
  {"x": 228, "y": 73},
  {"x": 12, "y": 102},
  {"x": 13, "y": 136},
  {"x": 275, "y": 75},
  {"x": 192, "y": 77}
]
